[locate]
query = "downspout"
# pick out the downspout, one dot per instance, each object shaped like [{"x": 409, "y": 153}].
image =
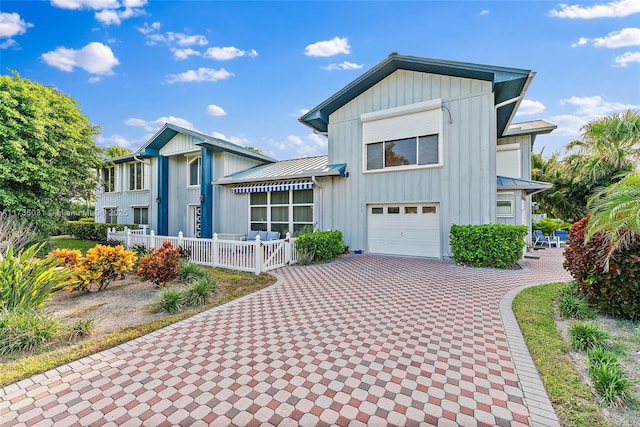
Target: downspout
[{"x": 320, "y": 204}]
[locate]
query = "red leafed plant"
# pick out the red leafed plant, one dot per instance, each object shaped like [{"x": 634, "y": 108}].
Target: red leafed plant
[
  {"x": 615, "y": 290},
  {"x": 160, "y": 265}
]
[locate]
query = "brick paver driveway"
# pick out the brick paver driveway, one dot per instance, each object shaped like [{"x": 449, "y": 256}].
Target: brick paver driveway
[{"x": 367, "y": 340}]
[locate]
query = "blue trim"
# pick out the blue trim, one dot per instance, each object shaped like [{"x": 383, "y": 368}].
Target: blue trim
[
  {"x": 206, "y": 190},
  {"x": 163, "y": 194}
]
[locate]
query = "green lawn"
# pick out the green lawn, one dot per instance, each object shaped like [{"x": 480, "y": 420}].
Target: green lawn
[
  {"x": 71, "y": 243},
  {"x": 574, "y": 403}
]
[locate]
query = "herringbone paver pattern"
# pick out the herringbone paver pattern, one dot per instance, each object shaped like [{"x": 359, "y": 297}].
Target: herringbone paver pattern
[{"x": 366, "y": 340}]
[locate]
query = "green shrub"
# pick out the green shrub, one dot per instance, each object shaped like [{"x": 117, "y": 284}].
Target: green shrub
[
  {"x": 601, "y": 355},
  {"x": 549, "y": 225},
  {"x": 25, "y": 329},
  {"x": 320, "y": 245},
  {"x": 611, "y": 383},
  {"x": 615, "y": 290},
  {"x": 160, "y": 265},
  {"x": 585, "y": 335},
  {"x": 190, "y": 273},
  {"x": 82, "y": 328},
  {"x": 488, "y": 245},
  {"x": 170, "y": 301},
  {"x": 27, "y": 282},
  {"x": 85, "y": 230},
  {"x": 102, "y": 265},
  {"x": 572, "y": 305},
  {"x": 198, "y": 292}
]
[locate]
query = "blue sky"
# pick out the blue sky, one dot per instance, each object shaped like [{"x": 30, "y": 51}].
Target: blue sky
[{"x": 245, "y": 71}]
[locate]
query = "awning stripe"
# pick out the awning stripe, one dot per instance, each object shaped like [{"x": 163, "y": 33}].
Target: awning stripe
[{"x": 273, "y": 186}]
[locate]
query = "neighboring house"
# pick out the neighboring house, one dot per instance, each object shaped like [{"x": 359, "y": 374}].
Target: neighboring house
[{"x": 415, "y": 145}]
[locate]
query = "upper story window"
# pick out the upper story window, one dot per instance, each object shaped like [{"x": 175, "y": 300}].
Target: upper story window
[
  {"x": 136, "y": 176},
  {"x": 194, "y": 171},
  {"x": 109, "y": 179},
  {"x": 405, "y": 137}
]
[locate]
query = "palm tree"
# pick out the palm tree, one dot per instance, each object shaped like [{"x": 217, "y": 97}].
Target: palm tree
[
  {"x": 609, "y": 145},
  {"x": 615, "y": 210}
]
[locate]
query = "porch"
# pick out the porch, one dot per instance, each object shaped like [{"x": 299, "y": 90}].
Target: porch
[{"x": 223, "y": 250}]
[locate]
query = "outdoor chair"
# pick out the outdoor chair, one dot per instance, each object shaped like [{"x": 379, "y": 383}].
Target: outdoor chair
[
  {"x": 539, "y": 239},
  {"x": 562, "y": 236}
]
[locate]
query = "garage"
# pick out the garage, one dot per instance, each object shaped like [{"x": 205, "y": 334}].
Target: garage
[{"x": 404, "y": 229}]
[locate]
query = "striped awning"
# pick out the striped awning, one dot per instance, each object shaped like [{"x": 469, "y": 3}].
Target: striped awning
[{"x": 263, "y": 187}]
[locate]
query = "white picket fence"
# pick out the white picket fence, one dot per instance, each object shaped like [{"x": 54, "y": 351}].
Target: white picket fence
[{"x": 253, "y": 256}]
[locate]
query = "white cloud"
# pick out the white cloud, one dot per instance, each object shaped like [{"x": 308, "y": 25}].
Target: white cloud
[
  {"x": 238, "y": 140},
  {"x": 215, "y": 110},
  {"x": 615, "y": 39},
  {"x": 227, "y": 53},
  {"x": 295, "y": 146},
  {"x": 346, "y": 65},
  {"x": 8, "y": 43},
  {"x": 86, "y": 4},
  {"x": 300, "y": 112},
  {"x": 115, "y": 17},
  {"x": 615, "y": 9},
  {"x": 134, "y": 3},
  {"x": 200, "y": 75},
  {"x": 94, "y": 79},
  {"x": 586, "y": 108},
  {"x": 11, "y": 24},
  {"x": 95, "y": 58},
  {"x": 149, "y": 28},
  {"x": 326, "y": 48},
  {"x": 184, "y": 53},
  {"x": 107, "y": 141},
  {"x": 484, "y": 12},
  {"x": 171, "y": 38},
  {"x": 154, "y": 125},
  {"x": 626, "y": 58},
  {"x": 529, "y": 107}
]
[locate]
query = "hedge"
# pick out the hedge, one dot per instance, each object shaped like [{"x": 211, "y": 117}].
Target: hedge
[
  {"x": 615, "y": 290},
  {"x": 488, "y": 245},
  {"x": 93, "y": 230},
  {"x": 320, "y": 245}
]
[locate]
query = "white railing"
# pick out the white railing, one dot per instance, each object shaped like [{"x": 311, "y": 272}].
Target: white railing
[{"x": 254, "y": 256}]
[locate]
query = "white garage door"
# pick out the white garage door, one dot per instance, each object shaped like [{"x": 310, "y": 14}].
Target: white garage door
[{"x": 407, "y": 229}]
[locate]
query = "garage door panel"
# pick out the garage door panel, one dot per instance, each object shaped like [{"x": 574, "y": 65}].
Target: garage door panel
[{"x": 414, "y": 234}]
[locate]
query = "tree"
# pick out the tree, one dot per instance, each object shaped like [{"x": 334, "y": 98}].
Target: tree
[
  {"x": 47, "y": 153},
  {"x": 116, "y": 151},
  {"x": 615, "y": 210}
]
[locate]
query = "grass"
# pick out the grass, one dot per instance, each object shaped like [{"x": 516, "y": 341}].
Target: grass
[
  {"x": 232, "y": 284},
  {"x": 71, "y": 243},
  {"x": 572, "y": 400}
]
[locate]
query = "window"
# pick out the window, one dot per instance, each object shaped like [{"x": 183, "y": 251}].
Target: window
[
  {"x": 282, "y": 211},
  {"x": 111, "y": 215},
  {"x": 395, "y": 210},
  {"x": 136, "y": 176},
  {"x": 419, "y": 151},
  {"x": 428, "y": 209},
  {"x": 194, "y": 171},
  {"x": 109, "y": 179},
  {"x": 504, "y": 208},
  {"x": 410, "y": 210},
  {"x": 409, "y": 136},
  {"x": 377, "y": 211},
  {"x": 141, "y": 216}
]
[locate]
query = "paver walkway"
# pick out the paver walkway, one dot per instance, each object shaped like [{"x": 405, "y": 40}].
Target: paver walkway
[{"x": 367, "y": 340}]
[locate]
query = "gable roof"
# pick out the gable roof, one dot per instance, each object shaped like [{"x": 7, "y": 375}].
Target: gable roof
[
  {"x": 152, "y": 147},
  {"x": 508, "y": 84},
  {"x": 306, "y": 167}
]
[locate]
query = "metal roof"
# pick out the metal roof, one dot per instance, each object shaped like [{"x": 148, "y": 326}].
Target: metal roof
[
  {"x": 306, "y": 167},
  {"x": 152, "y": 147},
  {"x": 536, "y": 127},
  {"x": 529, "y": 187},
  {"x": 508, "y": 84}
]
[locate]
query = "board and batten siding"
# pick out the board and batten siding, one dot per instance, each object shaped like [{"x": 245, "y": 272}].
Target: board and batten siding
[
  {"x": 464, "y": 187},
  {"x": 180, "y": 196},
  {"x": 180, "y": 143}
]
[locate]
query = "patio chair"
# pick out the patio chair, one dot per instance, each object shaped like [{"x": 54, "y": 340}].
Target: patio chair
[
  {"x": 539, "y": 239},
  {"x": 562, "y": 236}
]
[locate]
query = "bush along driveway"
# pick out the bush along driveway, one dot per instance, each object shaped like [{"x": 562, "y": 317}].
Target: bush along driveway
[{"x": 367, "y": 338}]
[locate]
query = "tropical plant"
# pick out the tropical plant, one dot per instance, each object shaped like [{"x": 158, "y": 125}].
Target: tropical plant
[
  {"x": 170, "y": 301},
  {"x": 160, "y": 265},
  {"x": 549, "y": 225},
  {"x": 198, "y": 292},
  {"x": 15, "y": 231},
  {"x": 615, "y": 211},
  {"x": 82, "y": 328},
  {"x": 116, "y": 151},
  {"x": 586, "y": 335},
  {"x": 102, "y": 265},
  {"x": 68, "y": 258},
  {"x": 25, "y": 329},
  {"x": 26, "y": 281}
]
